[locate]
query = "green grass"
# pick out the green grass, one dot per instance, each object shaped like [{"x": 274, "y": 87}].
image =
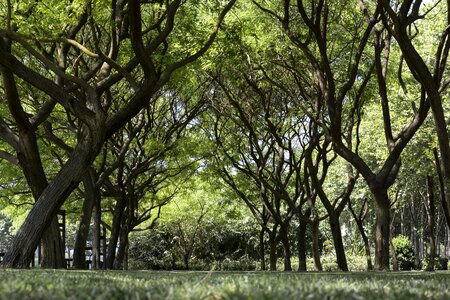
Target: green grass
[{"x": 49, "y": 284}]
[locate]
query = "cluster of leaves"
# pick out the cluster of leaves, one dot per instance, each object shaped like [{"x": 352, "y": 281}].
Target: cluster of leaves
[{"x": 405, "y": 252}]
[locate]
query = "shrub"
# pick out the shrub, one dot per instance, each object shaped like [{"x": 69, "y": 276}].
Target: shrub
[
  {"x": 440, "y": 263},
  {"x": 405, "y": 252}
]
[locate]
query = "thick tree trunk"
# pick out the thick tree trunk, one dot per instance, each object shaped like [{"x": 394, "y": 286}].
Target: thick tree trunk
[
  {"x": 301, "y": 245},
  {"x": 52, "y": 248},
  {"x": 48, "y": 204},
  {"x": 115, "y": 231},
  {"x": 262, "y": 249},
  {"x": 382, "y": 232},
  {"x": 273, "y": 252},
  {"x": 431, "y": 222},
  {"x": 315, "y": 245},
  {"x": 79, "y": 249},
  {"x": 337, "y": 240}
]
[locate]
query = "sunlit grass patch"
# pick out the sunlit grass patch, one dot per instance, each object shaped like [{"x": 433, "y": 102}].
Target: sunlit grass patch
[{"x": 49, "y": 284}]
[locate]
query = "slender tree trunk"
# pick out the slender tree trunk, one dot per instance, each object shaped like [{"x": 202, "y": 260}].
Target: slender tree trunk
[
  {"x": 301, "y": 245},
  {"x": 338, "y": 243},
  {"x": 262, "y": 250},
  {"x": 79, "y": 249},
  {"x": 431, "y": 222},
  {"x": 315, "y": 245},
  {"x": 394, "y": 256},
  {"x": 115, "y": 231},
  {"x": 382, "y": 233},
  {"x": 122, "y": 250},
  {"x": 96, "y": 244}
]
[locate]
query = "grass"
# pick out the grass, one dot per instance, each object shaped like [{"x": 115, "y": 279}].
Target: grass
[{"x": 50, "y": 284}]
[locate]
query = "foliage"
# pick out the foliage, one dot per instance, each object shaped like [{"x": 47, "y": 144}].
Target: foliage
[
  {"x": 38, "y": 284},
  {"x": 404, "y": 251}
]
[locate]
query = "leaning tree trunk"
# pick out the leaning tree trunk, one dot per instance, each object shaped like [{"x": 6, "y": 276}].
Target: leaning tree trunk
[
  {"x": 337, "y": 240},
  {"x": 46, "y": 207},
  {"x": 382, "y": 231},
  {"x": 79, "y": 249}
]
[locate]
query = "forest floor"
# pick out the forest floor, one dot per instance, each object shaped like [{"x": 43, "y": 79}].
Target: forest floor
[{"x": 56, "y": 284}]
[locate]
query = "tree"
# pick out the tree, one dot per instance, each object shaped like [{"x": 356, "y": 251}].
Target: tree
[{"x": 89, "y": 85}]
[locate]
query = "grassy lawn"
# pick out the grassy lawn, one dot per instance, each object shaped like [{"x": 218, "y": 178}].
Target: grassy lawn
[{"x": 49, "y": 284}]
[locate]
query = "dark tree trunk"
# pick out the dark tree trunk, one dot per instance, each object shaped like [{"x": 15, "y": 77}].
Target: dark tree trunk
[
  {"x": 337, "y": 240},
  {"x": 431, "y": 222},
  {"x": 52, "y": 248},
  {"x": 119, "y": 262},
  {"x": 382, "y": 232},
  {"x": 301, "y": 245},
  {"x": 46, "y": 208},
  {"x": 315, "y": 245},
  {"x": 262, "y": 249},
  {"x": 115, "y": 231},
  {"x": 273, "y": 251},
  {"x": 287, "y": 248},
  {"x": 79, "y": 254},
  {"x": 96, "y": 244}
]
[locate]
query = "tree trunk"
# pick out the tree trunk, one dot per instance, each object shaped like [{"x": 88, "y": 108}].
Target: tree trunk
[
  {"x": 431, "y": 222},
  {"x": 337, "y": 240},
  {"x": 52, "y": 248},
  {"x": 315, "y": 245},
  {"x": 79, "y": 249},
  {"x": 122, "y": 250},
  {"x": 301, "y": 245},
  {"x": 46, "y": 208},
  {"x": 273, "y": 252},
  {"x": 287, "y": 248},
  {"x": 382, "y": 232},
  {"x": 115, "y": 231},
  {"x": 96, "y": 244},
  {"x": 394, "y": 256},
  {"x": 262, "y": 250}
]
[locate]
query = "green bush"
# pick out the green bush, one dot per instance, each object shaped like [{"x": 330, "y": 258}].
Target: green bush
[
  {"x": 405, "y": 252},
  {"x": 440, "y": 263}
]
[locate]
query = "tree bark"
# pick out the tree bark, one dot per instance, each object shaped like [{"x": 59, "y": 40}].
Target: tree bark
[
  {"x": 301, "y": 245},
  {"x": 337, "y": 240},
  {"x": 315, "y": 245},
  {"x": 273, "y": 251},
  {"x": 79, "y": 249},
  {"x": 382, "y": 232},
  {"x": 115, "y": 231},
  {"x": 262, "y": 249},
  {"x": 96, "y": 244},
  {"x": 287, "y": 248},
  {"x": 122, "y": 250},
  {"x": 46, "y": 207},
  {"x": 431, "y": 221}
]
